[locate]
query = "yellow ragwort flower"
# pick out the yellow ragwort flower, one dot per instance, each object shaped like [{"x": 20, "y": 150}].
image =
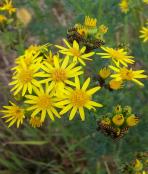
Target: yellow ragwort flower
[
  {"x": 145, "y": 1},
  {"x": 35, "y": 122},
  {"x": 103, "y": 29},
  {"x": 124, "y": 6},
  {"x": 118, "y": 56},
  {"x": 138, "y": 166},
  {"x": 24, "y": 78},
  {"x": 24, "y": 16},
  {"x": 7, "y": 6},
  {"x": 132, "y": 120},
  {"x": 28, "y": 58},
  {"x": 3, "y": 19},
  {"x": 78, "y": 98},
  {"x": 13, "y": 114},
  {"x": 104, "y": 72},
  {"x": 50, "y": 58},
  {"x": 60, "y": 73},
  {"x": 82, "y": 30},
  {"x": 38, "y": 49},
  {"x": 144, "y": 34},
  {"x": 42, "y": 103},
  {"x": 118, "y": 119},
  {"x": 123, "y": 73},
  {"x": 115, "y": 85},
  {"x": 75, "y": 52},
  {"x": 90, "y": 22}
]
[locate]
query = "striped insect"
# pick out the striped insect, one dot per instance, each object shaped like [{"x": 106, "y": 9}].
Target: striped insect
[
  {"x": 114, "y": 133},
  {"x": 90, "y": 44}
]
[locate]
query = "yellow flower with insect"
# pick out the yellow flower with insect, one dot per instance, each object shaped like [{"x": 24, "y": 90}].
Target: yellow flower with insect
[
  {"x": 13, "y": 114},
  {"x": 115, "y": 85},
  {"x": 83, "y": 31},
  {"x": 77, "y": 99},
  {"x": 25, "y": 78},
  {"x": 7, "y": 6},
  {"x": 74, "y": 51},
  {"x": 60, "y": 73},
  {"x": 3, "y": 19},
  {"x": 43, "y": 102},
  {"x": 118, "y": 56},
  {"x": 144, "y": 34},
  {"x": 35, "y": 122},
  {"x": 124, "y": 6},
  {"x": 104, "y": 72},
  {"x": 24, "y": 16},
  {"x": 132, "y": 120},
  {"x": 118, "y": 119},
  {"x": 123, "y": 73}
]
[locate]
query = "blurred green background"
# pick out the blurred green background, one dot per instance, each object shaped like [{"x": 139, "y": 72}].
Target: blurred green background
[{"x": 74, "y": 147}]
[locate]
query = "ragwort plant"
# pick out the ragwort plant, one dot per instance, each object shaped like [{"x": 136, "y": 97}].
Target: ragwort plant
[{"x": 48, "y": 84}]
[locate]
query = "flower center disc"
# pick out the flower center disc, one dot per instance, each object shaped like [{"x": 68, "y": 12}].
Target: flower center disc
[
  {"x": 25, "y": 76},
  {"x": 17, "y": 112},
  {"x": 79, "y": 98},
  {"x": 44, "y": 102},
  {"x": 117, "y": 55},
  {"x": 126, "y": 74},
  {"x": 59, "y": 75},
  {"x": 75, "y": 52}
]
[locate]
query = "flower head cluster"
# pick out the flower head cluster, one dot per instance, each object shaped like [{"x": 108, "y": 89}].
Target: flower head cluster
[
  {"x": 49, "y": 85},
  {"x": 127, "y": 74},
  {"x": 8, "y": 6},
  {"x": 89, "y": 34},
  {"x": 138, "y": 165},
  {"x": 6, "y": 10},
  {"x": 117, "y": 123},
  {"x": 118, "y": 69}
]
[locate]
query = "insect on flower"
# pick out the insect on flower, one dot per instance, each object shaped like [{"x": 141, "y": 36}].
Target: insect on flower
[{"x": 114, "y": 133}]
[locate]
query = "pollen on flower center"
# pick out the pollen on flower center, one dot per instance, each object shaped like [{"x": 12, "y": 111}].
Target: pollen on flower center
[
  {"x": 79, "y": 98},
  {"x": 126, "y": 74},
  {"x": 59, "y": 75},
  {"x": 116, "y": 54},
  {"x": 75, "y": 52},
  {"x": 17, "y": 112},
  {"x": 44, "y": 102},
  {"x": 25, "y": 76}
]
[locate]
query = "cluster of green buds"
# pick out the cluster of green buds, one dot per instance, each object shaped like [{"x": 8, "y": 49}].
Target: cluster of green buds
[
  {"x": 117, "y": 123},
  {"x": 138, "y": 166}
]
